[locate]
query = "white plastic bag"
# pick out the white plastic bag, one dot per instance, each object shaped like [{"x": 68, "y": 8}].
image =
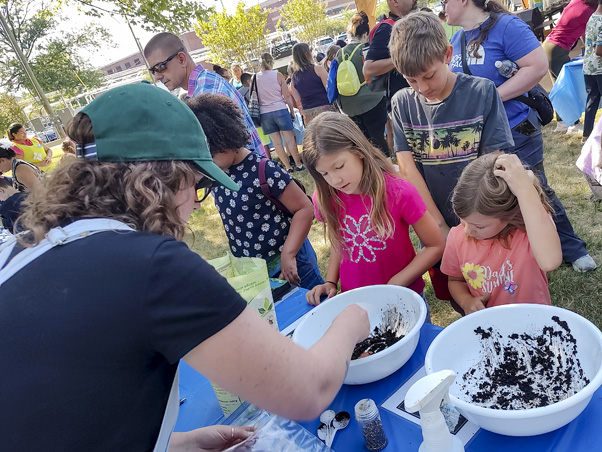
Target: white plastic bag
[{"x": 272, "y": 433}]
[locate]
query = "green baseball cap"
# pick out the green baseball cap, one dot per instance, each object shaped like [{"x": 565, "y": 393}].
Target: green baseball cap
[{"x": 140, "y": 122}]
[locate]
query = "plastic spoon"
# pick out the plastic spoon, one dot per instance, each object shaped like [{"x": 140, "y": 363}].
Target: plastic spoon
[
  {"x": 326, "y": 417},
  {"x": 341, "y": 420},
  {"x": 323, "y": 433}
]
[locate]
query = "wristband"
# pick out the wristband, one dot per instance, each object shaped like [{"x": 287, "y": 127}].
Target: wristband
[{"x": 332, "y": 282}]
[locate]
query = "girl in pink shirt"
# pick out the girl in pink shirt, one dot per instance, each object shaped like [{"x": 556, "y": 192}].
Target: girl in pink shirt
[
  {"x": 367, "y": 209},
  {"x": 506, "y": 240}
]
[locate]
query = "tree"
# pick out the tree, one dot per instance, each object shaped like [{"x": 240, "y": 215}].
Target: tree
[
  {"x": 151, "y": 15},
  {"x": 32, "y": 24},
  {"x": 59, "y": 68},
  {"x": 10, "y": 111},
  {"x": 381, "y": 8},
  {"x": 29, "y": 25},
  {"x": 234, "y": 38},
  {"x": 338, "y": 25},
  {"x": 307, "y": 17}
]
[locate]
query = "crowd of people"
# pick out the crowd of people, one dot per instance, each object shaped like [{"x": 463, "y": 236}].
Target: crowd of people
[{"x": 469, "y": 181}]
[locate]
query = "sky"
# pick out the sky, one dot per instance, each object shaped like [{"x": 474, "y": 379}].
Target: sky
[{"x": 122, "y": 36}]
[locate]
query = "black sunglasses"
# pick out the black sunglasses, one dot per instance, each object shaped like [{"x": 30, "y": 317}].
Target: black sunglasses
[
  {"x": 206, "y": 183},
  {"x": 162, "y": 66}
]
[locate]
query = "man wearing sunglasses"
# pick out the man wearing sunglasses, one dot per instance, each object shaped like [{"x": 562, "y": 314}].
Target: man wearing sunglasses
[{"x": 171, "y": 64}]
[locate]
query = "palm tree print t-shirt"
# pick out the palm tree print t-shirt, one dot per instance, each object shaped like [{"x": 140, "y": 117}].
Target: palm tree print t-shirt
[{"x": 444, "y": 137}]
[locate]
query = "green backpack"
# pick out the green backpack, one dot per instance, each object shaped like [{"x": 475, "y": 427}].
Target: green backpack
[{"x": 348, "y": 82}]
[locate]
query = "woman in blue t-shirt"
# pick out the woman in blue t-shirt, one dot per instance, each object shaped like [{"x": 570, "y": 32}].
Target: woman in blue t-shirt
[{"x": 491, "y": 35}]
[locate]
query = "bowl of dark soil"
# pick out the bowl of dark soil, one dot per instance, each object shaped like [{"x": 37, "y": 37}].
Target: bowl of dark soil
[
  {"x": 522, "y": 369},
  {"x": 396, "y": 316}
]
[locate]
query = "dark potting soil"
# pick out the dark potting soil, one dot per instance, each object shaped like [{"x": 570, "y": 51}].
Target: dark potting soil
[
  {"x": 524, "y": 370},
  {"x": 376, "y": 342}
]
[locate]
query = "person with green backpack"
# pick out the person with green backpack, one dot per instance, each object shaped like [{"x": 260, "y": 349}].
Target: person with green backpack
[{"x": 368, "y": 109}]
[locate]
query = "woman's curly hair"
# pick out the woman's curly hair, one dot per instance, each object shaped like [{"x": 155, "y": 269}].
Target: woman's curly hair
[
  {"x": 222, "y": 122},
  {"x": 139, "y": 194}
]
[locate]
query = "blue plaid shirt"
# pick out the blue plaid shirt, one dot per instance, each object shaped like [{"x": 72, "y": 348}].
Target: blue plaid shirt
[{"x": 202, "y": 81}]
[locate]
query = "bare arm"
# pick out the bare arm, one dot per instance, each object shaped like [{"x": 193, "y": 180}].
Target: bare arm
[
  {"x": 532, "y": 67},
  {"x": 599, "y": 51},
  {"x": 46, "y": 148},
  {"x": 26, "y": 175},
  {"x": 332, "y": 275},
  {"x": 541, "y": 230},
  {"x": 253, "y": 360},
  {"x": 321, "y": 72},
  {"x": 302, "y": 209},
  {"x": 461, "y": 294},
  {"x": 433, "y": 242},
  {"x": 286, "y": 94},
  {"x": 408, "y": 170},
  {"x": 377, "y": 67},
  {"x": 297, "y": 97}
]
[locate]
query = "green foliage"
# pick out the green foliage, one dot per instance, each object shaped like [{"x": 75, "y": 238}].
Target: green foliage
[
  {"x": 381, "y": 8},
  {"x": 338, "y": 25},
  {"x": 151, "y": 15},
  {"x": 54, "y": 60},
  {"x": 236, "y": 38},
  {"x": 10, "y": 112},
  {"x": 307, "y": 17},
  {"x": 58, "y": 66},
  {"x": 28, "y": 26}
]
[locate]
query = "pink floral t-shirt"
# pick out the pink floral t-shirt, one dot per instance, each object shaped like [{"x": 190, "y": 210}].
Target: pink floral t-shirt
[
  {"x": 368, "y": 259},
  {"x": 509, "y": 275}
]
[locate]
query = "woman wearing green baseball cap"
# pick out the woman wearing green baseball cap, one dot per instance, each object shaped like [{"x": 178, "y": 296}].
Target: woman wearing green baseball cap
[{"x": 90, "y": 355}]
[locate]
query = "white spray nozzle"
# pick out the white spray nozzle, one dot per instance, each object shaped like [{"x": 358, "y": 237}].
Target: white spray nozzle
[{"x": 426, "y": 396}]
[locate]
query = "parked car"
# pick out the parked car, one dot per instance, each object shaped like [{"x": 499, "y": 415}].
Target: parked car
[
  {"x": 283, "y": 49},
  {"x": 50, "y": 134},
  {"x": 255, "y": 66},
  {"x": 321, "y": 44},
  {"x": 341, "y": 37}
]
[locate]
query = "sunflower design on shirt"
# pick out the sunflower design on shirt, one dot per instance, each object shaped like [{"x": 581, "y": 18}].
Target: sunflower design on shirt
[{"x": 473, "y": 274}]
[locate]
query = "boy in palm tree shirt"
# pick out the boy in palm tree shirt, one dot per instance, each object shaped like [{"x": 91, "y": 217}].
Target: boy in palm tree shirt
[{"x": 443, "y": 121}]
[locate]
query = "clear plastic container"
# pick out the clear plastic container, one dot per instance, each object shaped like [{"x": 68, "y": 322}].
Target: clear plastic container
[{"x": 368, "y": 416}]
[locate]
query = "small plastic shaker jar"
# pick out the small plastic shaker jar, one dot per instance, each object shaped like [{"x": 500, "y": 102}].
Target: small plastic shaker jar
[{"x": 367, "y": 415}]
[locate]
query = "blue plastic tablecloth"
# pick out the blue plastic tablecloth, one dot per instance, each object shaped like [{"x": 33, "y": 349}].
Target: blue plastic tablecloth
[
  {"x": 201, "y": 407},
  {"x": 568, "y": 94}
]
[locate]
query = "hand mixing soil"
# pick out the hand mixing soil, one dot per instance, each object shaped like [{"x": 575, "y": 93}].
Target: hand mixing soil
[{"x": 383, "y": 336}]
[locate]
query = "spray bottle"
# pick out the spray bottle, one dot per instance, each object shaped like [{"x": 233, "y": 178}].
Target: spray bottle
[{"x": 426, "y": 396}]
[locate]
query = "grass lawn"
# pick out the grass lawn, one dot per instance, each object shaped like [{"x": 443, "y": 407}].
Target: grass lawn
[{"x": 569, "y": 289}]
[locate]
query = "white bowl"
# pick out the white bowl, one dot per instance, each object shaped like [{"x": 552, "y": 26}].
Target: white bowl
[
  {"x": 458, "y": 348},
  {"x": 375, "y": 300}
]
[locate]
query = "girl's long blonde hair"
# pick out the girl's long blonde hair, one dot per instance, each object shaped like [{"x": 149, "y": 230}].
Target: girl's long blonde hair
[
  {"x": 330, "y": 133},
  {"x": 480, "y": 191}
]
